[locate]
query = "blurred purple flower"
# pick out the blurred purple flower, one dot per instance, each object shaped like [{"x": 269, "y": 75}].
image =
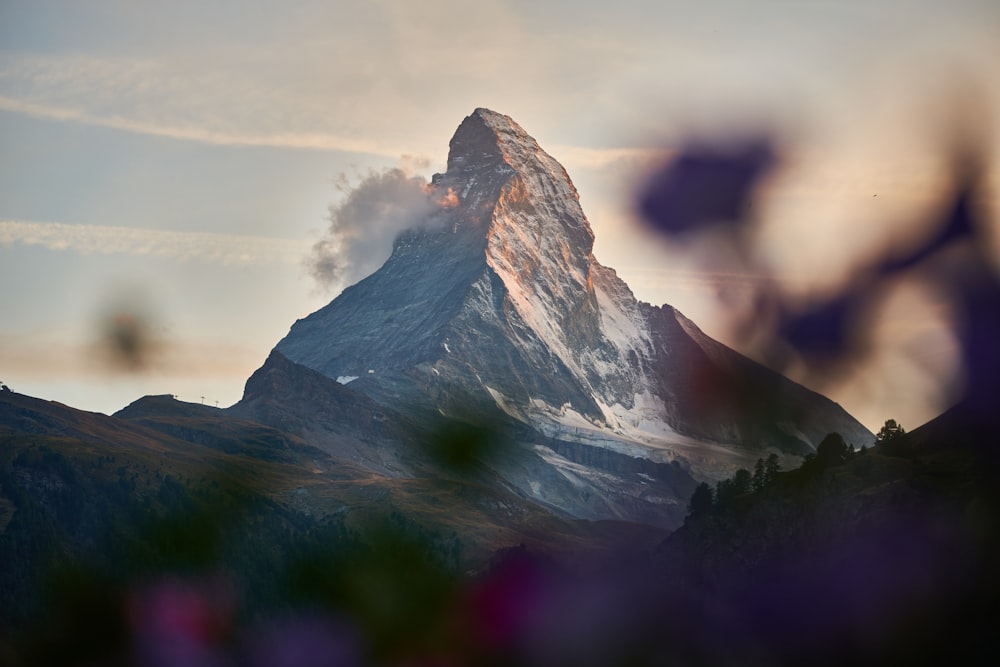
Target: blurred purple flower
[
  {"x": 979, "y": 338},
  {"x": 591, "y": 620},
  {"x": 501, "y": 608},
  {"x": 305, "y": 641},
  {"x": 705, "y": 184},
  {"x": 823, "y": 334},
  {"x": 975, "y": 288}
]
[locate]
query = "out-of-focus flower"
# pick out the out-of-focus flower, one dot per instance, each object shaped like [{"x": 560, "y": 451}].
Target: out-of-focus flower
[
  {"x": 705, "y": 185},
  {"x": 979, "y": 337},
  {"x": 177, "y": 623},
  {"x": 957, "y": 225},
  {"x": 501, "y": 607},
  {"x": 968, "y": 274},
  {"x": 827, "y": 332},
  {"x": 127, "y": 332},
  {"x": 304, "y": 641}
]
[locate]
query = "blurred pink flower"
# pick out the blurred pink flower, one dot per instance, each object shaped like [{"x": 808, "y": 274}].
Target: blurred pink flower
[{"x": 178, "y": 623}]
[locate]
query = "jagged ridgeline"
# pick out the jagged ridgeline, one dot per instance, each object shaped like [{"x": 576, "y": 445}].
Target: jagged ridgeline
[{"x": 497, "y": 308}]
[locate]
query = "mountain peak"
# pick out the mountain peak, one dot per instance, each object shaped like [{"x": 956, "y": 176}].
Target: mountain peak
[
  {"x": 494, "y": 119},
  {"x": 479, "y": 142},
  {"x": 510, "y": 136},
  {"x": 501, "y": 173}
]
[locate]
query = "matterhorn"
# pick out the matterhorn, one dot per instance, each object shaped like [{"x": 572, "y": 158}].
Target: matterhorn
[{"x": 496, "y": 311}]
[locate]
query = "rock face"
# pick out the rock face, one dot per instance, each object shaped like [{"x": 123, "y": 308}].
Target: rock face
[{"x": 497, "y": 305}]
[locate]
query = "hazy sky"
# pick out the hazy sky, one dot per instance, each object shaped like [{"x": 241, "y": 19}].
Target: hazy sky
[{"x": 175, "y": 161}]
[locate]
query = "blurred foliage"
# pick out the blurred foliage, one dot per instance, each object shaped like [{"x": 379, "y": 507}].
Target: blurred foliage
[
  {"x": 707, "y": 191},
  {"x": 134, "y": 566},
  {"x": 100, "y": 560},
  {"x": 463, "y": 447}
]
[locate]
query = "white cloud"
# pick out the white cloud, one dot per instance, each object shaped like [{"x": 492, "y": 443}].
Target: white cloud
[
  {"x": 365, "y": 224},
  {"x": 295, "y": 140},
  {"x": 580, "y": 157},
  {"x": 219, "y": 101},
  {"x": 226, "y": 249}
]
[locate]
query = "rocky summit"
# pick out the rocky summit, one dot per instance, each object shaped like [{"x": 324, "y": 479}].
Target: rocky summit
[{"x": 495, "y": 308}]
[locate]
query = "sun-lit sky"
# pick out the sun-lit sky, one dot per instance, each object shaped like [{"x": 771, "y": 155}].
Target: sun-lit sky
[{"x": 177, "y": 160}]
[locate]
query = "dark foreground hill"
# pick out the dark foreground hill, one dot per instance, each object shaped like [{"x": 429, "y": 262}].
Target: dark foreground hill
[
  {"x": 886, "y": 556},
  {"x": 241, "y": 533},
  {"x": 166, "y": 485}
]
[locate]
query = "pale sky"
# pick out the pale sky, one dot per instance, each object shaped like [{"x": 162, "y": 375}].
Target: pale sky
[{"x": 177, "y": 160}]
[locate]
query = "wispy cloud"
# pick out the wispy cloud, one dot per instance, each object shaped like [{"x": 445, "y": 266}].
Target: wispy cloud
[
  {"x": 365, "y": 224},
  {"x": 333, "y": 91},
  {"x": 227, "y": 249},
  {"x": 182, "y": 98},
  {"x": 595, "y": 158},
  {"x": 294, "y": 140}
]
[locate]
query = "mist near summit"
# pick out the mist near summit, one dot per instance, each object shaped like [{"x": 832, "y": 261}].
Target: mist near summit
[{"x": 364, "y": 225}]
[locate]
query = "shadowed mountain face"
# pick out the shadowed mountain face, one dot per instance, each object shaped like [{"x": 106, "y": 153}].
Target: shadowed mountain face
[{"x": 497, "y": 306}]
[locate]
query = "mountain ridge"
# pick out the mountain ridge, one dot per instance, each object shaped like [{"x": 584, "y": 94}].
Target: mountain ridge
[{"x": 498, "y": 303}]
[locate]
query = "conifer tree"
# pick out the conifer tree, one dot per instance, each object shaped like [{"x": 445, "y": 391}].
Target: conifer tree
[
  {"x": 702, "y": 500},
  {"x": 889, "y": 431},
  {"x": 759, "y": 475},
  {"x": 772, "y": 466},
  {"x": 742, "y": 482}
]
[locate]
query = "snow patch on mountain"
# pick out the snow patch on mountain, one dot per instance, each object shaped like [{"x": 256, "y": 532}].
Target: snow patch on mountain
[{"x": 505, "y": 404}]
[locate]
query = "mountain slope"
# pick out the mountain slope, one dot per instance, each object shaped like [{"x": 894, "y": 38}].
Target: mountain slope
[{"x": 497, "y": 305}]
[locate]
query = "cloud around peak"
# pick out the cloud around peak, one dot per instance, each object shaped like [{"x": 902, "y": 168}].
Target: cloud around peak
[{"x": 365, "y": 223}]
